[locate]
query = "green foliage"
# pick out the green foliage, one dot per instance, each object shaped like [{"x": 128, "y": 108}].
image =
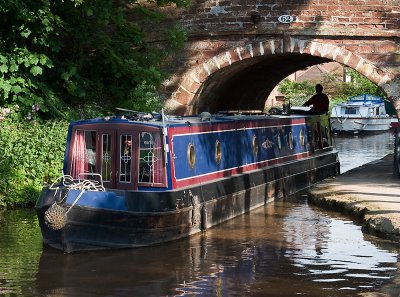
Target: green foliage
[
  {"x": 358, "y": 85},
  {"x": 296, "y": 92},
  {"x": 92, "y": 53},
  {"x": 143, "y": 98},
  {"x": 72, "y": 59},
  {"x": 25, "y": 30},
  {"x": 31, "y": 155}
]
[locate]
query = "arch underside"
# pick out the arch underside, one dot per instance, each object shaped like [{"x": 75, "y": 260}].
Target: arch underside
[
  {"x": 246, "y": 84},
  {"x": 243, "y": 77}
]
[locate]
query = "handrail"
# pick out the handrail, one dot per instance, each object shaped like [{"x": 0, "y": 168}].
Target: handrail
[{"x": 100, "y": 182}]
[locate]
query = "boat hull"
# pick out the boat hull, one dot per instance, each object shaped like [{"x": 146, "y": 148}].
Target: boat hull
[
  {"x": 137, "y": 219},
  {"x": 357, "y": 125}
]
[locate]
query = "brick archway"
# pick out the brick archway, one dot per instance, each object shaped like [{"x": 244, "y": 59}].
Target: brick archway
[{"x": 187, "y": 100}]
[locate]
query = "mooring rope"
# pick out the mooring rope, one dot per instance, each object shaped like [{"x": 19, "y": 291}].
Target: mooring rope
[{"x": 56, "y": 216}]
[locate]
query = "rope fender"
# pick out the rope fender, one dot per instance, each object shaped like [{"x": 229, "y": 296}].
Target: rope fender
[{"x": 56, "y": 216}]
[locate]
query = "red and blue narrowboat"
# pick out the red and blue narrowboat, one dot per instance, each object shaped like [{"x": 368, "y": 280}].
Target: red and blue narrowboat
[{"x": 141, "y": 179}]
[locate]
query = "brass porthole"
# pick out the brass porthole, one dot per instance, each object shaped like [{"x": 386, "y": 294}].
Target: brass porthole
[
  {"x": 218, "y": 153},
  {"x": 191, "y": 155},
  {"x": 254, "y": 145},
  {"x": 301, "y": 138},
  {"x": 290, "y": 142}
]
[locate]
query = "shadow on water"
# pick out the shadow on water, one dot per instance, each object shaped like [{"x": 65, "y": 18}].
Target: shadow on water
[{"x": 286, "y": 248}]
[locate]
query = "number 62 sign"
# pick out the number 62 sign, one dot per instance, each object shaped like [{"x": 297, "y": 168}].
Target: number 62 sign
[{"x": 286, "y": 19}]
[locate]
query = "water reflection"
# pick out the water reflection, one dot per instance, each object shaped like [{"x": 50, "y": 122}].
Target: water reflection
[
  {"x": 284, "y": 249},
  {"x": 20, "y": 249},
  {"x": 357, "y": 150},
  {"x": 290, "y": 248},
  {"x": 287, "y": 248},
  {"x": 335, "y": 251}
]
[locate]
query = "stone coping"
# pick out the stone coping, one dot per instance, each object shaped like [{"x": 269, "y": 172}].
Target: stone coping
[{"x": 371, "y": 192}]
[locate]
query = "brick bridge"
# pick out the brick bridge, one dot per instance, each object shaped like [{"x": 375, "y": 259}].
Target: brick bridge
[{"x": 238, "y": 51}]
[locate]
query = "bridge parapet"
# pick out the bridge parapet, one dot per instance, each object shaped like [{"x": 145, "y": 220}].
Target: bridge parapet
[{"x": 310, "y": 17}]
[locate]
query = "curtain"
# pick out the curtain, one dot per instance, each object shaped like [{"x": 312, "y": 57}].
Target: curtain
[
  {"x": 79, "y": 163},
  {"x": 158, "y": 164}
]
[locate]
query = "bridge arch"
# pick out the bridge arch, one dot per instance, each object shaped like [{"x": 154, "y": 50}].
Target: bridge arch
[{"x": 234, "y": 77}]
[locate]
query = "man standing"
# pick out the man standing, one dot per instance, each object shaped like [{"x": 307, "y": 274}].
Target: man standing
[{"x": 319, "y": 101}]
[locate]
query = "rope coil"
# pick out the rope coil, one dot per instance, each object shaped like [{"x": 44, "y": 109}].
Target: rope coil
[{"x": 56, "y": 216}]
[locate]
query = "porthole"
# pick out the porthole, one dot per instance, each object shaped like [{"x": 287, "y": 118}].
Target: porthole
[
  {"x": 290, "y": 140},
  {"x": 191, "y": 155},
  {"x": 301, "y": 138},
  {"x": 218, "y": 153},
  {"x": 254, "y": 145}
]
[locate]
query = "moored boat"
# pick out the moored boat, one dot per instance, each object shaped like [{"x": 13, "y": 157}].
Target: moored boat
[
  {"x": 137, "y": 180},
  {"x": 361, "y": 113}
]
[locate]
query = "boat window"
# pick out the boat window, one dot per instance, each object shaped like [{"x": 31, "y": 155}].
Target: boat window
[
  {"x": 151, "y": 165},
  {"x": 106, "y": 157},
  {"x": 218, "y": 153},
  {"x": 255, "y": 145},
  {"x": 191, "y": 155},
  {"x": 83, "y": 153},
  {"x": 125, "y": 159},
  {"x": 350, "y": 110}
]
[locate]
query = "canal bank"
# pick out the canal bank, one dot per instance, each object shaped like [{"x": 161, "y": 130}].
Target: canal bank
[{"x": 370, "y": 192}]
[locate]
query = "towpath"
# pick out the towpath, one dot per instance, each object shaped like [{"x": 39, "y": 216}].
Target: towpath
[{"x": 370, "y": 191}]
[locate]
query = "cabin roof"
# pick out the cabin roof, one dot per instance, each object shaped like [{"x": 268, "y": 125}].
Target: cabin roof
[
  {"x": 367, "y": 98},
  {"x": 172, "y": 121}
]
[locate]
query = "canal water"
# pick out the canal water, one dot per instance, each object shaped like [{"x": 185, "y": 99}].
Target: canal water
[{"x": 287, "y": 248}]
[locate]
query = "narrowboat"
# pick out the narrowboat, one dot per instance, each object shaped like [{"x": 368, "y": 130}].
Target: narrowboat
[
  {"x": 361, "y": 113},
  {"x": 141, "y": 179}
]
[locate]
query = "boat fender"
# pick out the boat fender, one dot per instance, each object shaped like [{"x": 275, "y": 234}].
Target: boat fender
[
  {"x": 196, "y": 213},
  {"x": 56, "y": 216},
  {"x": 203, "y": 225}
]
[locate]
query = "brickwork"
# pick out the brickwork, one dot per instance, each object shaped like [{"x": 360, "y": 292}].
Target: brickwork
[
  {"x": 238, "y": 50},
  {"x": 324, "y": 16}
]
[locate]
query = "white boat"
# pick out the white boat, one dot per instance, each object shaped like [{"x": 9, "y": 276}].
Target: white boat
[{"x": 360, "y": 113}]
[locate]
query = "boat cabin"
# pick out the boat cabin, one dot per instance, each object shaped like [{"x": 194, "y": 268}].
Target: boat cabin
[
  {"x": 125, "y": 156},
  {"x": 133, "y": 153},
  {"x": 364, "y": 105}
]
